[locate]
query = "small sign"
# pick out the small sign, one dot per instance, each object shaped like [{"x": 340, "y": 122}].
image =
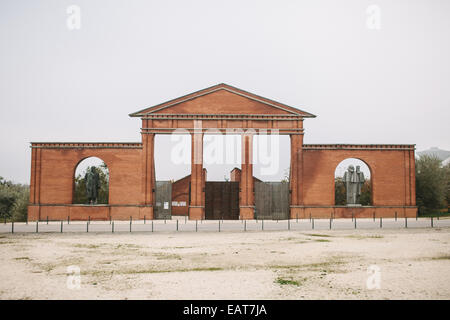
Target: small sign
[{"x": 166, "y": 205}]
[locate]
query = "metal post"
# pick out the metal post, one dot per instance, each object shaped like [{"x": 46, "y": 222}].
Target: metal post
[
  {"x": 312, "y": 221},
  {"x": 297, "y": 217},
  {"x": 37, "y": 226},
  {"x": 87, "y": 226},
  {"x": 289, "y": 224},
  {"x": 245, "y": 225},
  {"x": 330, "y": 223},
  {"x": 262, "y": 224},
  {"x": 12, "y": 226},
  {"x": 112, "y": 227},
  {"x": 395, "y": 215},
  {"x": 432, "y": 222},
  {"x": 47, "y": 219},
  {"x": 406, "y": 222},
  {"x": 61, "y": 226},
  {"x": 219, "y": 225},
  {"x": 131, "y": 221},
  {"x": 355, "y": 222},
  {"x": 196, "y": 227},
  {"x": 177, "y": 224},
  {"x": 381, "y": 222},
  {"x": 152, "y": 225}
]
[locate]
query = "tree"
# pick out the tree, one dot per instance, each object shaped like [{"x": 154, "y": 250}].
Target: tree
[
  {"x": 13, "y": 200},
  {"x": 432, "y": 184}
]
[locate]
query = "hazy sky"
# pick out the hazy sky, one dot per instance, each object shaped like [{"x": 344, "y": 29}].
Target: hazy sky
[{"x": 366, "y": 85}]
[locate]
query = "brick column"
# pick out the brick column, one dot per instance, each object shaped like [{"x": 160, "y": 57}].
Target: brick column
[
  {"x": 148, "y": 175},
  {"x": 196, "y": 205},
  {"x": 35, "y": 183},
  {"x": 296, "y": 175},
  {"x": 246, "y": 198}
]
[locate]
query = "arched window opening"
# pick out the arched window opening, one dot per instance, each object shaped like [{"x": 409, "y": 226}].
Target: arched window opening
[
  {"x": 91, "y": 182},
  {"x": 352, "y": 183}
]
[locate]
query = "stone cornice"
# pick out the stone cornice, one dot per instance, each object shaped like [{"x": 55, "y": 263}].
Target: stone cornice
[
  {"x": 410, "y": 147},
  {"x": 254, "y": 117},
  {"x": 87, "y": 145}
]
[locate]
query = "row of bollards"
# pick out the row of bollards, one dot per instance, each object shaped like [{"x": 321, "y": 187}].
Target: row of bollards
[{"x": 221, "y": 223}]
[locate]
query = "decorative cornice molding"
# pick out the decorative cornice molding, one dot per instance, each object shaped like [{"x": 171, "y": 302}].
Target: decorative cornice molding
[
  {"x": 86, "y": 145},
  {"x": 410, "y": 147}
]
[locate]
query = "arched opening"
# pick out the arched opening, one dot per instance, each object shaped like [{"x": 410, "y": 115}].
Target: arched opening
[
  {"x": 91, "y": 182},
  {"x": 352, "y": 183}
]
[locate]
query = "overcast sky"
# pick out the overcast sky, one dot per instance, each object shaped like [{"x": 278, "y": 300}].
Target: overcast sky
[{"x": 365, "y": 84}]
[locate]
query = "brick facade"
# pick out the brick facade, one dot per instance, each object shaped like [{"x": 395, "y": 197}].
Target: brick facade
[{"x": 221, "y": 108}]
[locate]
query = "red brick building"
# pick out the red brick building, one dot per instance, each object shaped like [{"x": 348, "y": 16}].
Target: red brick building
[{"x": 221, "y": 107}]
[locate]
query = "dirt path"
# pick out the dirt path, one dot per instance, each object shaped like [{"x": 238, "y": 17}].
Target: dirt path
[{"x": 412, "y": 264}]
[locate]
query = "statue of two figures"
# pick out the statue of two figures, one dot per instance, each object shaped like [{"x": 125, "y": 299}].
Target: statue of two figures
[
  {"x": 353, "y": 181},
  {"x": 92, "y": 180}
]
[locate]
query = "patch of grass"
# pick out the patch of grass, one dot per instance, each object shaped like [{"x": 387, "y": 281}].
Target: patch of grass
[
  {"x": 283, "y": 281},
  {"x": 443, "y": 257},
  {"x": 322, "y": 240},
  {"x": 163, "y": 256},
  {"x": 319, "y": 235},
  {"x": 22, "y": 258},
  {"x": 329, "y": 266},
  {"x": 87, "y": 246},
  {"x": 143, "y": 271}
]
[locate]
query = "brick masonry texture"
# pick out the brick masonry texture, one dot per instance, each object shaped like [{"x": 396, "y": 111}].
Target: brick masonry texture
[{"x": 131, "y": 165}]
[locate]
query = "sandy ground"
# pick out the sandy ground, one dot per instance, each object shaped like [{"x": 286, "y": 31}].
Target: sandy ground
[{"x": 412, "y": 264}]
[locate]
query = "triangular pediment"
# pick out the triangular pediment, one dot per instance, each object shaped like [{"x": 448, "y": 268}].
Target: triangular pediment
[{"x": 222, "y": 99}]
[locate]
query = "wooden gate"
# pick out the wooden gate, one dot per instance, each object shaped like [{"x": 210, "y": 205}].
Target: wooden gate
[
  {"x": 163, "y": 200},
  {"x": 221, "y": 200},
  {"x": 271, "y": 200}
]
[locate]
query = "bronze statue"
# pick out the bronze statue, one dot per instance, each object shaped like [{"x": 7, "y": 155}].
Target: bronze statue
[
  {"x": 359, "y": 183},
  {"x": 92, "y": 180},
  {"x": 353, "y": 181}
]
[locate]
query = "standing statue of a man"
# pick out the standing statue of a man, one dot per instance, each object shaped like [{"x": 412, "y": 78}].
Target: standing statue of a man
[
  {"x": 350, "y": 186},
  {"x": 353, "y": 181},
  {"x": 92, "y": 180},
  {"x": 359, "y": 183}
]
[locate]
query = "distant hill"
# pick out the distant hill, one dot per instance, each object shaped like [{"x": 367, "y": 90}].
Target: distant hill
[{"x": 441, "y": 154}]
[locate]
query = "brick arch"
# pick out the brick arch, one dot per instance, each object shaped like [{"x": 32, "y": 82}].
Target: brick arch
[
  {"x": 391, "y": 168},
  {"x": 75, "y": 170},
  {"x": 370, "y": 170}
]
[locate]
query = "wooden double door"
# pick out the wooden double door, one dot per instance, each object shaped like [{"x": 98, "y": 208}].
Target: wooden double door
[
  {"x": 271, "y": 200},
  {"x": 221, "y": 200}
]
